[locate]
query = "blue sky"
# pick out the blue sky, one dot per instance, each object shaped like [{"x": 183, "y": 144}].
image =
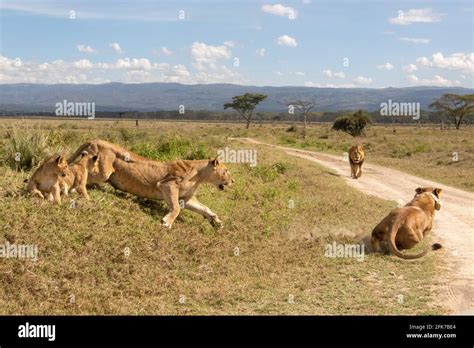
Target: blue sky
[{"x": 338, "y": 43}]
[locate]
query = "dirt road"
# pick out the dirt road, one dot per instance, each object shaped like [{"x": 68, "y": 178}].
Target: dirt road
[{"x": 453, "y": 224}]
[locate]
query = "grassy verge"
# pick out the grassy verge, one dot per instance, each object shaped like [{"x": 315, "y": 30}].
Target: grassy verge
[{"x": 110, "y": 255}]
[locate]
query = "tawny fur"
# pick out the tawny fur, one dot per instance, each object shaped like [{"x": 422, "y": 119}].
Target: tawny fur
[
  {"x": 171, "y": 182},
  {"x": 77, "y": 174},
  {"x": 356, "y": 160},
  {"x": 45, "y": 180},
  {"x": 107, "y": 153},
  {"x": 405, "y": 227}
]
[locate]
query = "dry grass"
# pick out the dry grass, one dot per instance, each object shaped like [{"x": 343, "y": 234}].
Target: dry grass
[{"x": 280, "y": 249}]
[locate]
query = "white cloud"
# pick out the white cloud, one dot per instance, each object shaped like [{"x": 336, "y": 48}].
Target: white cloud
[
  {"x": 131, "y": 64},
  {"x": 57, "y": 71},
  {"x": 116, "y": 47},
  {"x": 335, "y": 74},
  {"x": 299, "y": 73},
  {"x": 208, "y": 61},
  {"x": 410, "y": 68},
  {"x": 456, "y": 61},
  {"x": 362, "y": 80},
  {"x": 166, "y": 51},
  {"x": 306, "y": 2},
  {"x": 206, "y": 56},
  {"x": 279, "y": 73},
  {"x": 261, "y": 52},
  {"x": 437, "y": 81},
  {"x": 386, "y": 66},
  {"x": 286, "y": 40},
  {"x": 280, "y": 10},
  {"x": 128, "y": 70},
  {"x": 230, "y": 43},
  {"x": 415, "y": 40},
  {"x": 420, "y": 15},
  {"x": 83, "y": 64},
  {"x": 85, "y": 49}
]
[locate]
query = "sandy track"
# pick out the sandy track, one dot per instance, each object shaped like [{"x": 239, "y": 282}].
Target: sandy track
[{"x": 453, "y": 224}]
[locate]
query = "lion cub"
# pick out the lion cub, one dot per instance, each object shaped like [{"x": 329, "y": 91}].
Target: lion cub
[
  {"x": 76, "y": 174},
  {"x": 45, "y": 179},
  {"x": 356, "y": 159},
  {"x": 405, "y": 227}
]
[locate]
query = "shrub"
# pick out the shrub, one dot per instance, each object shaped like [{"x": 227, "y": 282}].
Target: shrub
[
  {"x": 31, "y": 147},
  {"x": 353, "y": 124},
  {"x": 281, "y": 167}
]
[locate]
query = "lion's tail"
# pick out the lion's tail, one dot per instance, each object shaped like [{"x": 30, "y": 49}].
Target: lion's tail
[{"x": 393, "y": 246}]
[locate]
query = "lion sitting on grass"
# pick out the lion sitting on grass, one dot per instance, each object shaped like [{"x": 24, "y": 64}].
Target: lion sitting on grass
[
  {"x": 405, "y": 227},
  {"x": 45, "y": 180}
]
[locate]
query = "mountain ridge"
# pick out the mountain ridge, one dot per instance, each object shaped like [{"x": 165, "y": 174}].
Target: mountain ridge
[{"x": 158, "y": 96}]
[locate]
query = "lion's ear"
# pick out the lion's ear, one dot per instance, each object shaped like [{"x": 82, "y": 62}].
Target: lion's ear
[
  {"x": 214, "y": 162},
  {"x": 84, "y": 153},
  {"x": 60, "y": 159},
  {"x": 419, "y": 190},
  {"x": 437, "y": 192}
]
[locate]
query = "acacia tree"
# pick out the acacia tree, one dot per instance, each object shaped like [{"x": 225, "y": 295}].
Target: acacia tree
[
  {"x": 456, "y": 106},
  {"x": 245, "y": 105},
  {"x": 304, "y": 106}
]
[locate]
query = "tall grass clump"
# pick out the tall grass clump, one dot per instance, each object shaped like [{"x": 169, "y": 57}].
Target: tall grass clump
[{"x": 24, "y": 150}]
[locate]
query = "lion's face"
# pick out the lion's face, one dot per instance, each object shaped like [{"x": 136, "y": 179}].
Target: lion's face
[
  {"x": 92, "y": 163},
  {"x": 431, "y": 193},
  {"x": 220, "y": 175},
  {"x": 357, "y": 154},
  {"x": 60, "y": 166}
]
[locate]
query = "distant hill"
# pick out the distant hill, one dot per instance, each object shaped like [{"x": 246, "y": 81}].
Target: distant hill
[{"x": 19, "y": 98}]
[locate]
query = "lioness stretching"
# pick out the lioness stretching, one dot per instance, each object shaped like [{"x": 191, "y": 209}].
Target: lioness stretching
[
  {"x": 45, "y": 179},
  {"x": 356, "y": 159},
  {"x": 171, "y": 181},
  {"x": 107, "y": 153},
  {"x": 76, "y": 175},
  {"x": 405, "y": 227}
]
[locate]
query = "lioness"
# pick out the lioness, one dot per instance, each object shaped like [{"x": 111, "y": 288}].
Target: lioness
[
  {"x": 107, "y": 153},
  {"x": 76, "y": 175},
  {"x": 171, "y": 182},
  {"x": 356, "y": 159},
  {"x": 45, "y": 179},
  {"x": 405, "y": 227}
]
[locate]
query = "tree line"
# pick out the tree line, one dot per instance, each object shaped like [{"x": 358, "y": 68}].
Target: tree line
[{"x": 451, "y": 106}]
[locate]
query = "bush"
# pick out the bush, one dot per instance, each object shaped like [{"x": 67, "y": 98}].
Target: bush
[
  {"x": 281, "y": 167},
  {"x": 23, "y": 150},
  {"x": 353, "y": 124}
]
